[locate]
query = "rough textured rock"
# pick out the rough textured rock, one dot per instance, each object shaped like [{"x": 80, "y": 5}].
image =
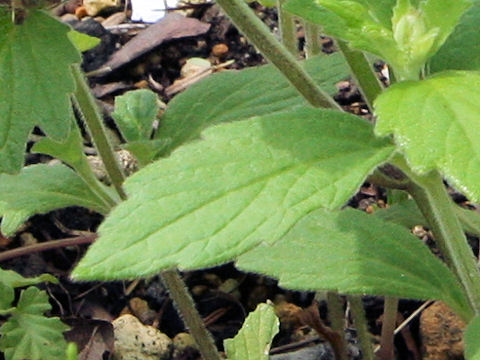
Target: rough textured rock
[
  {"x": 135, "y": 341},
  {"x": 442, "y": 332}
]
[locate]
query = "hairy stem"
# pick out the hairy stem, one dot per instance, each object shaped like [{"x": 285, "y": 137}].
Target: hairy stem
[
  {"x": 312, "y": 39},
  {"x": 367, "y": 81},
  {"x": 260, "y": 36},
  {"x": 360, "y": 322},
  {"x": 437, "y": 207},
  {"x": 185, "y": 305},
  {"x": 95, "y": 125},
  {"x": 336, "y": 316},
  {"x": 288, "y": 31}
]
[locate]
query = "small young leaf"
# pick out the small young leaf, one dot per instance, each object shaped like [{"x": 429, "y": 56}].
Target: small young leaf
[
  {"x": 41, "y": 188},
  {"x": 435, "y": 123},
  {"x": 254, "y": 338},
  {"x": 237, "y": 95},
  {"x": 82, "y": 41},
  {"x": 135, "y": 113},
  {"x": 351, "y": 252},
  {"x": 461, "y": 50},
  {"x": 246, "y": 182},
  {"x": 35, "y": 60},
  {"x": 14, "y": 279},
  {"x": 28, "y": 334},
  {"x": 472, "y": 345}
]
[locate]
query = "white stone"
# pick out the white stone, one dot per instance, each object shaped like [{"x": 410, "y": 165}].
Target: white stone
[
  {"x": 150, "y": 11},
  {"x": 135, "y": 341}
]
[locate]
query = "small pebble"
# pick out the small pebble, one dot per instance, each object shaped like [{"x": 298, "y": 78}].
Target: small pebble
[{"x": 220, "y": 50}]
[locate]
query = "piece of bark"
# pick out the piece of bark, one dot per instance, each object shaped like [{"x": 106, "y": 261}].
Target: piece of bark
[{"x": 172, "y": 26}]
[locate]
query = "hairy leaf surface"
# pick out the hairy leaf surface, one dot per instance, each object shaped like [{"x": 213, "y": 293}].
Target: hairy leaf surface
[
  {"x": 436, "y": 123},
  {"x": 351, "y": 252},
  {"x": 237, "y": 95},
  {"x": 245, "y": 182},
  {"x": 28, "y": 334},
  {"x": 38, "y": 189},
  {"x": 35, "y": 60},
  {"x": 255, "y": 337},
  {"x": 472, "y": 345}
]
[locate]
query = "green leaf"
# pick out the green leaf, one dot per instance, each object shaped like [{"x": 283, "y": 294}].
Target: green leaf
[
  {"x": 83, "y": 42},
  {"x": 28, "y": 334},
  {"x": 69, "y": 151},
  {"x": 355, "y": 253},
  {"x": 246, "y": 182},
  {"x": 238, "y": 95},
  {"x": 135, "y": 112},
  {"x": 435, "y": 123},
  {"x": 407, "y": 214},
  {"x": 14, "y": 279},
  {"x": 35, "y": 60},
  {"x": 416, "y": 31},
  {"x": 7, "y": 295},
  {"x": 38, "y": 189},
  {"x": 145, "y": 151},
  {"x": 461, "y": 50},
  {"x": 254, "y": 338},
  {"x": 472, "y": 345}
]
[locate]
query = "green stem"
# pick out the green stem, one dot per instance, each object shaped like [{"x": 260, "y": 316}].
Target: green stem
[
  {"x": 360, "y": 322},
  {"x": 368, "y": 83},
  {"x": 95, "y": 125},
  {"x": 336, "y": 316},
  {"x": 288, "y": 31},
  {"x": 432, "y": 199},
  {"x": 389, "y": 322},
  {"x": 259, "y": 35},
  {"x": 312, "y": 39},
  {"x": 185, "y": 305},
  {"x": 84, "y": 170}
]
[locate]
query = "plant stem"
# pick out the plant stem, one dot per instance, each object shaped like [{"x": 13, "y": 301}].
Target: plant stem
[
  {"x": 185, "y": 305},
  {"x": 432, "y": 199},
  {"x": 172, "y": 280},
  {"x": 336, "y": 316},
  {"x": 312, "y": 37},
  {"x": 95, "y": 125},
  {"x": 390, "y": 308},
  {"x": 260, "y": 36},
  {"x": 288, "y": 31},
  {"x": 368, "y": 83},
  {"x": 360, "y": 322}
]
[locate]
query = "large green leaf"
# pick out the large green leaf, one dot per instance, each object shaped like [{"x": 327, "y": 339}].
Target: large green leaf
[
  {"x": 471, "y": 338},
  {"x": 255, "y": 337},
  {"x": 41, "y": 188},
  {"x": 246, "y": 182},
  {"x": 238, "y": 95},
  {"x": 461, "y": 51},
  {"x": 435, "y": 122},
  {"x": 35, "y": 60},
  {"x": 28, "y": 334},
  {"x": 355, "y": 253}
]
